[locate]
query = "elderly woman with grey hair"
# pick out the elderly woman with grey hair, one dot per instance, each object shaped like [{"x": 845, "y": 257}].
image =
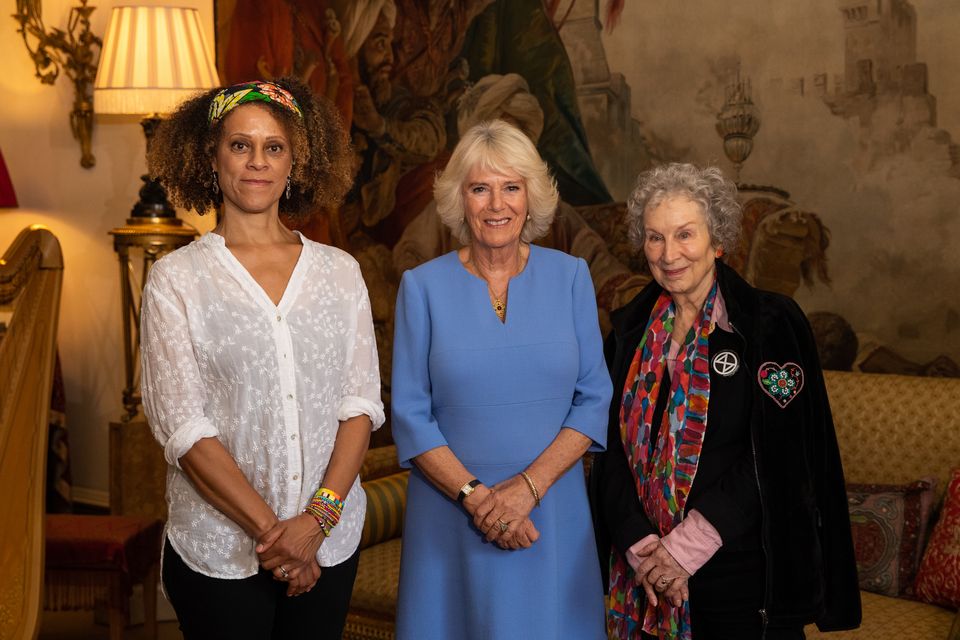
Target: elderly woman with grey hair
[
  {"x": 499, "y": 388},
  {"x": 720, "y": 505}
]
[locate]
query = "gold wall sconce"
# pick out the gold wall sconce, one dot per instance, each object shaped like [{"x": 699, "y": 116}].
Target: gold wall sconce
[{"x": 73, "y": 52}]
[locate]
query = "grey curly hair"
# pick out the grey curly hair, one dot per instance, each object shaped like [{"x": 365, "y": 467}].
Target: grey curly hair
[
  {"x": 503, "y": 148},
  {"x": 706, "y": 186}
]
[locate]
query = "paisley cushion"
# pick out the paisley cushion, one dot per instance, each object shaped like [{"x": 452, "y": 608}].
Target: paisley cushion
[
  {"x": 938, "y": 581},
  {"x": 886, "y": 522}
]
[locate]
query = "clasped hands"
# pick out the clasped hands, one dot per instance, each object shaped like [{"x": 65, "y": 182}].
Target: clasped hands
[
  {"x": 659, "y": 573},
  {"x": 289, "y": 551},
  {"x": 502, "y": 513}
]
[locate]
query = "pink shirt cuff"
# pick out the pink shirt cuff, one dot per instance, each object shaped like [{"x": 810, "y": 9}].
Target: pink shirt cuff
[
  {"x": 692, "y": 542},
  {"x": 632, "y": 553}
]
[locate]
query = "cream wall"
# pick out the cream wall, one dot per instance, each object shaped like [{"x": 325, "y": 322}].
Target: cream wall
[{"x": 80, "y": 206}]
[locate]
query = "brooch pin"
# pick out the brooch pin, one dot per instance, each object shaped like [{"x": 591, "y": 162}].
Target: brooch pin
[
  {"x": 725, "y": 363},
  {"x": 780, "y": 382}
]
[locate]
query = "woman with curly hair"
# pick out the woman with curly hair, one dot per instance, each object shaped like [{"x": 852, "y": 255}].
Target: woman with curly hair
[
  {"x": 719, "y": 504},
  {"x": 260, "y": 374}
]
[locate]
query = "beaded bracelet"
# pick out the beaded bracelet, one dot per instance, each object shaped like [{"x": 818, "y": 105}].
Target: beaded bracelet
[
  {"x": 326, "y": 507},
  {"x": 533, "y": 487}
]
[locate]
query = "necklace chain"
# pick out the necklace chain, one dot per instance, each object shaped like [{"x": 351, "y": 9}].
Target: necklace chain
[{"x": 499, "y": 302}]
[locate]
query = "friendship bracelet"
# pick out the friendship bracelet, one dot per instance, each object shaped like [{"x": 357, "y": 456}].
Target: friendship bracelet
[
  {"x": 326, "y": 518},
  {"x": 324, "y": 492},
  {"x": 533, "y": 487},
  {"x": 326, "y": 507}
]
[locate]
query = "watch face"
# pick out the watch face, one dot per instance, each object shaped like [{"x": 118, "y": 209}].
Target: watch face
[{"x": 467, "y": 489}]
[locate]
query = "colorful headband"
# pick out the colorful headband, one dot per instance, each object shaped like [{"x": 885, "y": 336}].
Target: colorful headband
[{"x": 258, "y": 91}]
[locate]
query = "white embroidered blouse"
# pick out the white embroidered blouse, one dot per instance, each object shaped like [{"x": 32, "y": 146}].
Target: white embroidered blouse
[{"x": 270, "y": 381}]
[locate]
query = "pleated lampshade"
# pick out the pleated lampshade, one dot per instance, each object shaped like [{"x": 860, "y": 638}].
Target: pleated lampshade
[{"x": 152, "y": 59}]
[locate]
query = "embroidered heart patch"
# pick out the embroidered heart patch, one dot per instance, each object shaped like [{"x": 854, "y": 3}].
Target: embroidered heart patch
[{"x": 780, "y": 382}]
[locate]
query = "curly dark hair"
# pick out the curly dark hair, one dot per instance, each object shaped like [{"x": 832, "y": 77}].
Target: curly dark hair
[{"x": 184, "y": 145}]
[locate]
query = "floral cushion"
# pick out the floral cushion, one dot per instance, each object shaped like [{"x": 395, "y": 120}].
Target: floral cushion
[
  {"x": 886, "y": 522},
  {"x": 938, "y": 581}
]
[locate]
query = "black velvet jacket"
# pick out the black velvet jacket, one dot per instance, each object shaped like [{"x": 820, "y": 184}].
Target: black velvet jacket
[{"x": 810, "y": 569}]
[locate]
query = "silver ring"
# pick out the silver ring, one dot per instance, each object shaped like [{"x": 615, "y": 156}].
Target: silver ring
[
  {"x": 284, "y": 572},
  {"x": 663, "y": 581},
  {"x": 503, "y": 526}
]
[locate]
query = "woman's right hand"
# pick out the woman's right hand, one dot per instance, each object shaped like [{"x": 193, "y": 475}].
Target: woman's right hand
[
  {"x": 508, "y": 501},
  {"x": 659, "y": 572},
  {"x": 289, "y": 551}
]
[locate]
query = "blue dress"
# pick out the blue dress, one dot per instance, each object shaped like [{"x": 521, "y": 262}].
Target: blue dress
[{"x": 498, "y": 394}]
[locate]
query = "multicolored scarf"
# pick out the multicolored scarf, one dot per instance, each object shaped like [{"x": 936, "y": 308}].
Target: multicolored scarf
[
  {"x": 663, "y": 470},
  {"x": 229, "y": 98}
]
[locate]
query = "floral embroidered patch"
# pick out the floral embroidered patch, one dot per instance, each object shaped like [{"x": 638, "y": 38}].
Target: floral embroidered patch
[{"x": 780, "y": 382}]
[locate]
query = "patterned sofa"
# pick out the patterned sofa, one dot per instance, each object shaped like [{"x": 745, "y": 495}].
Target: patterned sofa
[
  {"x": 891, "y": 429},
  {"x": 895, "y": 430},
  {"x": 373, "y": 606}
]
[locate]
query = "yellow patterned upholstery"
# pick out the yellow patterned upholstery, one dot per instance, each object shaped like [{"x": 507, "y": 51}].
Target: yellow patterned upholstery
[
  {"x": 381, "y": 461},
  {"x": 373, "y": 605},
  {"x": 885, "y": 617},
  {"x": 376, "y": 587},
  {"x": 386, "y": 499},
  {"x": 893, "y": 430}
]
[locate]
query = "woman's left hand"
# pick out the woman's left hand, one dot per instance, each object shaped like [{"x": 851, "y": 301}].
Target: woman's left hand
[
  {"x": 658, "y": 571},
  {"x": 677, "y": 591},
  {"x": 291, "y": 543},
  {"x": 509, "y": 501},
  {"x": 520, "y": 534},
  {"x": 302, "y": 580}
]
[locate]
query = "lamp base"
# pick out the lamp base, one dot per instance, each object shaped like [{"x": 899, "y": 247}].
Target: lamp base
[{"x": 153, "y": 201}]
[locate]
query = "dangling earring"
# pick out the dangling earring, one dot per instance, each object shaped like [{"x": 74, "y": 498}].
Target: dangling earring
[
  {"x": 288, "y": 187},
  {"x": 719, "y": 253},
  {"x": 216, "y": 184}
]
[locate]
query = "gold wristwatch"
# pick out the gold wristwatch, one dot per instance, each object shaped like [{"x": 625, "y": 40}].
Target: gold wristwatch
[{"x": 467, "y": 489}]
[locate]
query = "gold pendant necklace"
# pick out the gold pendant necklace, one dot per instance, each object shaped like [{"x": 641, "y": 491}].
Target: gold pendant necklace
[
  {"x": 499, "y": 302},
  {"x": 499, "y": 306}
]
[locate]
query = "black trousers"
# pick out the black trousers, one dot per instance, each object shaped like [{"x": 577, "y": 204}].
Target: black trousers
[{"x": 257, "y": 608}]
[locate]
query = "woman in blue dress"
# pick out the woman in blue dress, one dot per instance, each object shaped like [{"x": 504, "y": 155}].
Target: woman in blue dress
[{"x": 499, "y": 388}]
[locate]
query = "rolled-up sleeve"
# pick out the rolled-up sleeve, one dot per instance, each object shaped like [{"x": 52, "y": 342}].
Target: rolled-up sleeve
[
  {"x": 593, "y": 391},
  {"x": 415, "y": 429},
  {"x": 173, "y": 395},
  {"x": 360, "y": 392}
]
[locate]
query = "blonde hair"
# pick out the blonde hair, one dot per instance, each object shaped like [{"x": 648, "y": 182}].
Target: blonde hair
[{"x": 503, "y": 148}]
